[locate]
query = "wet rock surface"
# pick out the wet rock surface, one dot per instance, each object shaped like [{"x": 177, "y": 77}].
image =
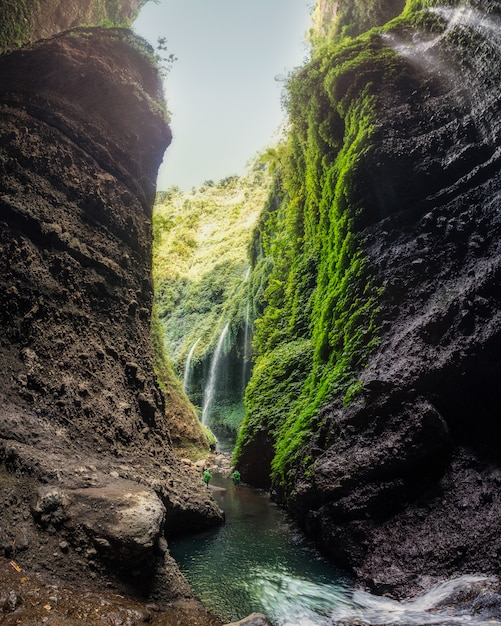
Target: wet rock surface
[
  {"x": 255, "y": 619},
  {"x": 90, "y": 488},
  {"x": 402, "y": 487}
]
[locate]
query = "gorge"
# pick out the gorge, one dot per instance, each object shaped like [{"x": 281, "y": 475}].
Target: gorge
[{"x": 374, "y": 285}]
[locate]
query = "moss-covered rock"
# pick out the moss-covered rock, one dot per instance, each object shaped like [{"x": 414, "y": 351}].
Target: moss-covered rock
[{"x": 378, "y": 256}]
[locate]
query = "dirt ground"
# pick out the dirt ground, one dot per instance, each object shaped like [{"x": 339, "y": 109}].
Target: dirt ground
[{"x": 30, "y": 599}]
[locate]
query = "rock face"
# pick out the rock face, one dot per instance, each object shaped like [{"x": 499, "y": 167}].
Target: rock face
[
  {"x": 64, "y": 14},
  {"x": 28, "y": 21},
  {"x": 255, "y": 619},
  {"x": 404, "y": 483},
  {"x": 91, "y": 484}
]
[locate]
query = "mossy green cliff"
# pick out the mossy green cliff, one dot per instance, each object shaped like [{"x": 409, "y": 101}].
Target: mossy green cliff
[
  {"x": 375, "y": 265},
  {"x": 320, "y": 297}
]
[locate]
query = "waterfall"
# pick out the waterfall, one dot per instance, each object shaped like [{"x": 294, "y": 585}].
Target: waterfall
[
  {"x": 187, "y": 367},
  {"x": 245, "y": 358},
  {"x": 424, "y": 50},
  {"x": 211, "y": 383}
]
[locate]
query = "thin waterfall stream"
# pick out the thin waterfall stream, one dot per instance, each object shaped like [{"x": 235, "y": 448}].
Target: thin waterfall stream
[
  {"x": 211, "y": 383},
  {"x": 187, "y": 367},
  {"x": 246, "y": 346}
]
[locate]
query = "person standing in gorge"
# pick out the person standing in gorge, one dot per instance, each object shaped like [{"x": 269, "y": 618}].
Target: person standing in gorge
[{"x": 207, "y": 477}]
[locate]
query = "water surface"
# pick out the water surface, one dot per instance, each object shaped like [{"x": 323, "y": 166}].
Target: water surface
[{"x": 258, "y": 561}]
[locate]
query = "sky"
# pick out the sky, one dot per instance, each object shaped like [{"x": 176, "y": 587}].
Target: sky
[{"x": 224, "y": 89}]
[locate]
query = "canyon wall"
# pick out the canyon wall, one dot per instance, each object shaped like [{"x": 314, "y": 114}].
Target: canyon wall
[
  {"x": 25, "y": 21},
  {"x": 90, "y": 484},
  {"x": 373, "y": 403}
]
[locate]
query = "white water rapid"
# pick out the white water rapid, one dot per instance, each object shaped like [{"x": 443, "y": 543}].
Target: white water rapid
[
  {"x": 211, "y": 383},
  {"x": 430, "y": 608}
]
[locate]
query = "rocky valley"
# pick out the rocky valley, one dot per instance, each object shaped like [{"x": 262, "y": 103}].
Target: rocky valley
[{"x": 372, "y": 285}]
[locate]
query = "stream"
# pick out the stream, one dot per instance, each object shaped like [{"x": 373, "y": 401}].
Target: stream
[{"x": 259, "y": 561}]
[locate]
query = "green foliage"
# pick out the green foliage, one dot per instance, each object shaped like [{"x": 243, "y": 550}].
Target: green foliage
[
  {"x": 16, "y": 22},
  {"x": 277, "y": 380},
  {"x": 334, "y": 20},
  {"x": 111, "y": 10},
  {"x": 200, "y": 259},
  {"x": 210, "y": 437},
  {"x": 230, "y": 417},
  {"x": 19, "y": 19},
  {"x": 167, "y": 380},
  {"x": 163, "y": 59}
]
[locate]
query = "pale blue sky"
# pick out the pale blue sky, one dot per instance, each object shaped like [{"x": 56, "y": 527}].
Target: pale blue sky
[{"x": 222, "y": 92}]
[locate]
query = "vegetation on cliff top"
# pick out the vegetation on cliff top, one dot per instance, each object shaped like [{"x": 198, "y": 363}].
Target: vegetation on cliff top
[
  {"x": 16, "y": 22},
  {"x": 333, "y": 20},
  {"x": 22, "y": 21},
  {"x": 200, "y": 261},
  {"x": 200, "y": 257}
]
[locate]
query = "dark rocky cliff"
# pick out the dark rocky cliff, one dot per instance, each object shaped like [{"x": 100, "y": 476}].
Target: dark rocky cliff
[
  {"x": 90, "y": 484},
  {"x": 396, "y": 476}
]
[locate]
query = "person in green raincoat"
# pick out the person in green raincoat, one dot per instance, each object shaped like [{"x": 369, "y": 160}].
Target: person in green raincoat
[{"x": 207, "y": 477}]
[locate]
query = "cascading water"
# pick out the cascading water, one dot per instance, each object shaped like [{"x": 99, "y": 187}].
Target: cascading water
[
  {"x": 210, "y": 387},
  {"x": 245, "y": 358},
  {"x": 433, "y": 607},
  {"x": 187, "y": 367},
  {"x": 246, "y": 351},
  {"x": 460, "y": 60},
  {"x": 468, "y": 71}
]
